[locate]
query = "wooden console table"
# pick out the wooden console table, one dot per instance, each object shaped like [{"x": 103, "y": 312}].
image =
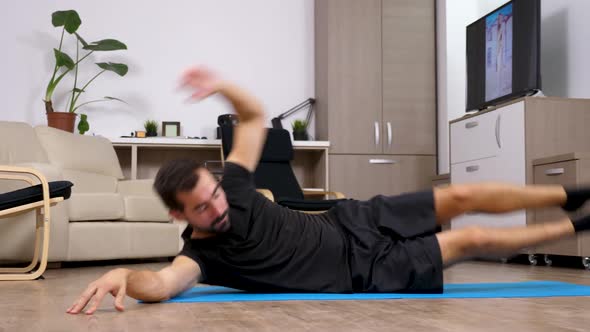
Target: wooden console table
[{"x": 140, "y": 158}]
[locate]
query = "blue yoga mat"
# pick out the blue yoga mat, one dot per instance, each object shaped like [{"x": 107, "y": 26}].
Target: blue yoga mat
[{"x": 451, "y": 291}]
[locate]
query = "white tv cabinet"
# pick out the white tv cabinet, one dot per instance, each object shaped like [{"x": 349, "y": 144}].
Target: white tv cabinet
[{"x": 500, "y": 145}]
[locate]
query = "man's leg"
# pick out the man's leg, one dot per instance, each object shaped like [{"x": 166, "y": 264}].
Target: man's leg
[
  {"x": 455, "y": 200},
  {"x": 458, "y": 245}
]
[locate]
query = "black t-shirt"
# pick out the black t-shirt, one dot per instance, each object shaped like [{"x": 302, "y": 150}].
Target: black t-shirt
[{"x": 270, "y": 248}]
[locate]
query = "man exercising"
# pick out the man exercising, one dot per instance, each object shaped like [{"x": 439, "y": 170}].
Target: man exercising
[{"x": 238, "y": 238}]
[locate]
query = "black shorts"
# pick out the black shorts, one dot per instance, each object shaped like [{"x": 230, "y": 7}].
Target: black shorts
[{"x": 392, "y": 246}]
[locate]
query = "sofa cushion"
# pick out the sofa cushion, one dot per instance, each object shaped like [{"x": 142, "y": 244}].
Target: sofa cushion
[
  {"x": 18, "y": 143},
  {"x": 93, "y": 154},
  {"x": 86, "y": 182},
  {"x": 112, "y": 240},
  {"x": 96, "y": 206},
  {"x": 145, "y": 208}
]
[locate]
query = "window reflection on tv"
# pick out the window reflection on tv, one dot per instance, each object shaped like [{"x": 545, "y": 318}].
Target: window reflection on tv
[{"x": 499, "y": 53}]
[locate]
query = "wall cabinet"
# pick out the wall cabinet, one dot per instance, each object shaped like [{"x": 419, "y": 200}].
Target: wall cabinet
[
  {"x": 375, "y": 92},
  {"x": 375, "y": 76}
]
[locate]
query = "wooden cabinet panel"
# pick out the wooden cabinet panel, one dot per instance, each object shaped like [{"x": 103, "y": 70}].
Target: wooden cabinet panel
[
  {"x": 348, "y": 74},
  {"x": 372, "y": 54},
  {"x": 555, "y": 126},
  {"x": 375, "y": 76},
  {"x": 409, "y": 84},
  {"x": 563, "y": 173},
  {"x": 364, "y": 176}
]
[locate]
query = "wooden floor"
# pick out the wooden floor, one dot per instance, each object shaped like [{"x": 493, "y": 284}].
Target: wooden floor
[{"x": 40, "y": 306}]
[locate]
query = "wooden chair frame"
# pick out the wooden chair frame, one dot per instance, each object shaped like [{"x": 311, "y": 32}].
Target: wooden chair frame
[{"x": 43, "y": 217}]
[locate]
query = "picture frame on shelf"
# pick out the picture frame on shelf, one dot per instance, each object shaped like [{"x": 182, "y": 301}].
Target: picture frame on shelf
[{"x": 170, "y": 128}]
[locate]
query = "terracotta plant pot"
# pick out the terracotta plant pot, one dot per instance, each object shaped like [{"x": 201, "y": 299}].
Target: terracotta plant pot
[{"x": 61, "y": 120}]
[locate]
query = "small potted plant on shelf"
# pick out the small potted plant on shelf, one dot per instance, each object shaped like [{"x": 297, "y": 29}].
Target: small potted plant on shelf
[
  {"x": 300, "y": 130},
  {"x": 64, "y": 64},
  {"x": 151, "y": 128}
]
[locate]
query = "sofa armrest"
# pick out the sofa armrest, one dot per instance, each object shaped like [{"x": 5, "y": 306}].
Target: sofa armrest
[
  {"x": 30, "y": 176},
  {"x": 51, "y": 172},
  {"x": 48, "y": 171}
]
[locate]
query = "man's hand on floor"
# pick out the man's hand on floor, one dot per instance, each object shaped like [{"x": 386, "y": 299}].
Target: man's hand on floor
[{"x": 114, "y": 282}]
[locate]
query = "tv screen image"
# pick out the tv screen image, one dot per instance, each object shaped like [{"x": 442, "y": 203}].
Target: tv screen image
[
  {"x": 503, "y": 54},
  {"x": 499, "y": 53}
]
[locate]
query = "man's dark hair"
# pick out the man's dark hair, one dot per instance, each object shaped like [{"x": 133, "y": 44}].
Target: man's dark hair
[{"x": 176, "y": 176}]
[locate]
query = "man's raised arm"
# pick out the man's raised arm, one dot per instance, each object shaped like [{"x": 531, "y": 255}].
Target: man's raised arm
[{"x": 249, "y": 136}]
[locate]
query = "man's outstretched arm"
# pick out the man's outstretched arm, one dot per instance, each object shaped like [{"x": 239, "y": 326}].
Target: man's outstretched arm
[
  {"x": 249, "y": 135},
  {"x": 147, "y": 286}
]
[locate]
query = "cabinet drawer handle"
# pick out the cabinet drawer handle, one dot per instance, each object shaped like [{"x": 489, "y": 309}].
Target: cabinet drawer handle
[
  {"x": 389, "y": 134},
  {"x": 376, "y": 134},
  {"x": 471, "y": 124},
  {"x": 555, "y": 171},
  {"x": 498, "y": 123},
  {"x": 471, "y": 169},
  {"x": 382, "y": 161}
]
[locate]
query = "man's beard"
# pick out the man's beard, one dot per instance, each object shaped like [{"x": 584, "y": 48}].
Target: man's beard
[{"x": 212, "y": 228}]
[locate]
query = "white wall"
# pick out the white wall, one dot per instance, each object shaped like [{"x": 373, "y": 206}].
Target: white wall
[
  {"x": 565, "y": 50},
  {"x": 265, "y": 45},
  {"x": 564, "y": 55}
]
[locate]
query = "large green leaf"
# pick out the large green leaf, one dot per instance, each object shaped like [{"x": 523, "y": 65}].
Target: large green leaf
[
  {"x": 106, "y": 45},
  {"x": 84, "y": 43},
  {"x": 119, "y": 68},
  {"x": 68, "y": 18},
  {"x": 62, "y": 59}
]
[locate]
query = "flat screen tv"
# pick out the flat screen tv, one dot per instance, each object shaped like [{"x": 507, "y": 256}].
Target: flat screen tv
[{"x": 503, "y": 54}]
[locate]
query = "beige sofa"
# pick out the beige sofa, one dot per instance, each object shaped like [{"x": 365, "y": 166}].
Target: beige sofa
[{"x": 107, "y": 217}]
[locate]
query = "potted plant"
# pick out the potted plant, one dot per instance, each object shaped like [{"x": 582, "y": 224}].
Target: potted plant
[
  {"x": 70, "y": 21},
  {"x": 300, "y": 130},
  {"x": 151, "y": 128},
  {"x": 83, "y": 125}
]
